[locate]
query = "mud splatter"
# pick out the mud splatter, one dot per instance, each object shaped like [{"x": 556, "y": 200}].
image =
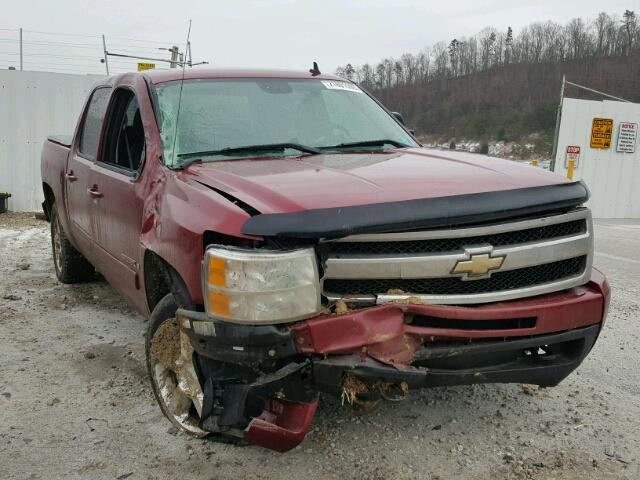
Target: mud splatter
[{"x": 165, "y": 346}]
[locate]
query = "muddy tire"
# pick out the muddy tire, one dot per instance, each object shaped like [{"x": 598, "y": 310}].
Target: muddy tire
[
  {"x": 69, "y": 263},
  {"x": 169, "y": 364}
]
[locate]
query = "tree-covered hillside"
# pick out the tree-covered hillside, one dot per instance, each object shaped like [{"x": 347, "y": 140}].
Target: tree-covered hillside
[{"x": 505, "y": 85}]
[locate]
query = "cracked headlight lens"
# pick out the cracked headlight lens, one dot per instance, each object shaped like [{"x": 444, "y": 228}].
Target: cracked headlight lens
[{"x": 261, "y": 287}]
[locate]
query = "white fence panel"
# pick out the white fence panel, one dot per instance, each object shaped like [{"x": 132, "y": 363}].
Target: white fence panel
[
  {"x": 613, "y": 177},
  {"x": 34, "y": 105}
]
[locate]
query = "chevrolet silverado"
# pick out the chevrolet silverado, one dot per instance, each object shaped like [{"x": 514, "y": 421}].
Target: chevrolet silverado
[{"x": 286, "y": 235}]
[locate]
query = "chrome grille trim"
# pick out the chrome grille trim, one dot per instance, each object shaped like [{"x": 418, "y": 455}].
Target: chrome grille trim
[
  {"x": 440, "y": 264},
  {"x": 577, "y": 214}
]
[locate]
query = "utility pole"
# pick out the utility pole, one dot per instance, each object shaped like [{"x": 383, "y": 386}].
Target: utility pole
[
  {"x": 174, "y": 57},
  {"x": 20, "y": 48},
  {"x": 557, "y": 130},
  {"x": 106, "y": 59}
]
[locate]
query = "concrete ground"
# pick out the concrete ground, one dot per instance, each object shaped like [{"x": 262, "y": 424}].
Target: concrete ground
[{"x": 75, "y": 401}]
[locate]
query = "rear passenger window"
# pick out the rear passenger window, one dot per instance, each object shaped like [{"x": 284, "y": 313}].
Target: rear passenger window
[{"x": 90, "y": 133}]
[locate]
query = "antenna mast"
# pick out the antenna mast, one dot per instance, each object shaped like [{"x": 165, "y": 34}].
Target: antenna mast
[{"x": 175, "y": 131}]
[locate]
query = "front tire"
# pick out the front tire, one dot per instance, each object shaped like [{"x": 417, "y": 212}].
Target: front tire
[
  {"x": 69, "y": 263},
  {"x": 171, "y": 371}
]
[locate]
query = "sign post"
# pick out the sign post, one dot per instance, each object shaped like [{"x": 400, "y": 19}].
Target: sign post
[
  {"x": 627, "y": 134},
  {"x": 601, "y": 131},
  {"x": 570, "y": 169}
]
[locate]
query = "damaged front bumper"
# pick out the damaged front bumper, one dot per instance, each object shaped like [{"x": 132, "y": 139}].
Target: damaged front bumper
[{"x": 261, "y": 383}]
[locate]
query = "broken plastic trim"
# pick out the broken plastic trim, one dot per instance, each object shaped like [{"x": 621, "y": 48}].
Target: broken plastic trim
[{"x": 452, "y": 211}]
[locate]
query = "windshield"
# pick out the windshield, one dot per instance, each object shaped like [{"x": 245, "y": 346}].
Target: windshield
[{"x": 226, "y": 114}]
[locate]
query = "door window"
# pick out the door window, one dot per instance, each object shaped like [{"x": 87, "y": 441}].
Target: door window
[
  {"x": 125, "y": 143},
  {"x": 92, "y": 126}
]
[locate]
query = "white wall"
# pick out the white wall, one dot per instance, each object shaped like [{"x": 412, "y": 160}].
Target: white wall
[
  {"x": 34, "y": 105},
  {"x": 612, "y": 177}
]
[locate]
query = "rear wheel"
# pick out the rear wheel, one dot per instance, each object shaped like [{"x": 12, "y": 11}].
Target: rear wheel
[{"x": 70, "y": 264}]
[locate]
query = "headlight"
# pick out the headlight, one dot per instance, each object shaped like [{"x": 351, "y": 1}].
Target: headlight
[{"x": 250, "y": 286}]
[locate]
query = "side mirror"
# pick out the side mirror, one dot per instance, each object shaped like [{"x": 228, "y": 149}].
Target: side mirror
[{"x": 398, "y": 116}]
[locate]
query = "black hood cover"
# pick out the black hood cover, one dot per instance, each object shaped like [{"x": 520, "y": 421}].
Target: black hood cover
[{"x": 427, "y": 213}]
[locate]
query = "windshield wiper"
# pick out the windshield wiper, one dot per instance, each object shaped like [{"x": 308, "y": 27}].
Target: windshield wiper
[
  {"x": 269, "y": 147},
  {"x": 368, "y": 143}
]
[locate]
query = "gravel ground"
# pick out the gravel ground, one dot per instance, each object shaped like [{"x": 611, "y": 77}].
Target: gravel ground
[{"x": 75, "y": 401}]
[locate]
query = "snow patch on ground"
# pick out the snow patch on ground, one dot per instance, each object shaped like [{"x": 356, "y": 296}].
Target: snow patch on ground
[{"x": 20, "y": 238}]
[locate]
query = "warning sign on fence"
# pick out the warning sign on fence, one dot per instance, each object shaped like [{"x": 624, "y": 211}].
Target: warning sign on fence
[
  {"x": 601, "y": 131},
  {"x": 627, "y": 134},
  {"x": 573, "y": 153}
]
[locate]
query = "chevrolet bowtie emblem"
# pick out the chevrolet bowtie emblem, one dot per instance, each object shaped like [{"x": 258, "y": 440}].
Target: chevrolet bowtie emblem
[{"x": 479, "y": 265}]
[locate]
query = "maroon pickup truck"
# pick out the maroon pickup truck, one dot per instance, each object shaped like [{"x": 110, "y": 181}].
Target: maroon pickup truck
[{"x": 286, "y": 235}]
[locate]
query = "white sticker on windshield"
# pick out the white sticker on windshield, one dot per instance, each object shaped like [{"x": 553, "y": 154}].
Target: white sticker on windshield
[{"x": 338, "y": 85}]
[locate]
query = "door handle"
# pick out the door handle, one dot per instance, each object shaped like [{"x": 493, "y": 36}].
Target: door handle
[
  {"x": 93, "y": 192},
  {"x": 70, "y": 176}
]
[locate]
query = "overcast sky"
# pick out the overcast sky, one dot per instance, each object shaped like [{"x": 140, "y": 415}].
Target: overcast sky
[{"x": 277, "y": 33}]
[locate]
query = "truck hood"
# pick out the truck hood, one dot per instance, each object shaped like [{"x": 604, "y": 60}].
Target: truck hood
[{"x": 281, "y": 185}]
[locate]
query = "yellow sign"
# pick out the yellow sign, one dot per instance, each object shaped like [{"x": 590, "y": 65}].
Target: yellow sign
[
  {"x": 146, "y": 66},
  {"x": 601, "y": 131}
]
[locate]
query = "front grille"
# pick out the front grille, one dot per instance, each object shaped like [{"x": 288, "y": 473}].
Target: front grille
[
  {"x": 451, "y": 244},
  {"x": 539, "y": 256},
  {"x": 500, "y": 281}
]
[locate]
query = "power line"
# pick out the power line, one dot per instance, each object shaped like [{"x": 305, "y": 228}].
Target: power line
[
  {"x": 76, "y": 45},
  {"x": 54, "y": 69},
  {"x": 41, "y": 54},
  {"x": 53, "y": 55},
  {"x": 70, "y": 45},
  {"x": 75, "y": 51},
  {"x": 61, "y": 34},
  {"x": 58, "y": 34},
  {"x": 143, "y": 41},
  {"x": 129, "y": 49}
]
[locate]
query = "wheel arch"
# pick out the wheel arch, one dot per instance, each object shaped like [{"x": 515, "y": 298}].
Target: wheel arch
[
  {"x": 160, "y": 278},
  {"x": 49, "y": 200}
]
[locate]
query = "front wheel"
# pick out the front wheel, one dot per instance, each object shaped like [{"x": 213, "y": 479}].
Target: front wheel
[{"x": 170, "y": 365}]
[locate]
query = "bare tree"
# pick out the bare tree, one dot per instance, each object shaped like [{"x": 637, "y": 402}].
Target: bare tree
[
  {"x": 630, "y": 26},
  {"x": 607, "y": 35},
  {"x": 578, "y": 38}
]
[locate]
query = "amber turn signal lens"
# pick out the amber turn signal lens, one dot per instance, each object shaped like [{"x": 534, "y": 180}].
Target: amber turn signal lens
[
  {"x": 217, "y": 272},
  {"x": 219, "y": 303}
]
